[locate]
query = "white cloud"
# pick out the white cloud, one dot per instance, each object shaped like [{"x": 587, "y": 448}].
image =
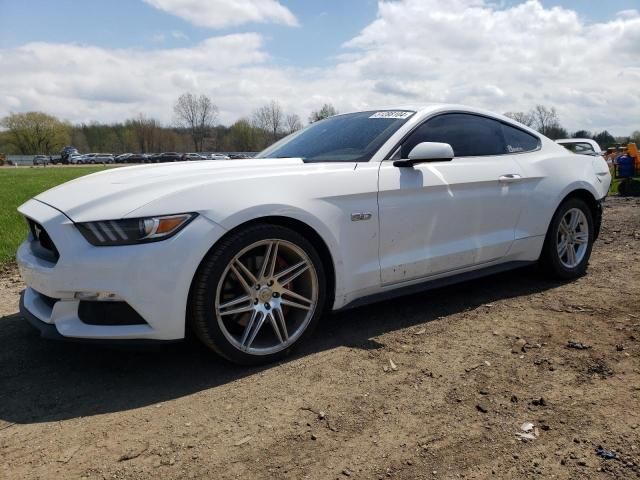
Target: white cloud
[
  {"x": 471, "y": 51},
  {"x": 416, "y": 51},
  {"x": 162, "y": 37},
  {"x": 224, "y": 13},
  {"x": 179, "y": 35},
  {"x": 628, "y": 13},
  {"x": 85, "y": 83},
  {"x": 158, "y": 37}
]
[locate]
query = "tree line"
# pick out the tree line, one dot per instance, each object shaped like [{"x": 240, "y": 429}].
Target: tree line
[
  {"x": 547, "y": 122},
  {"x": 195, "y": 127}
]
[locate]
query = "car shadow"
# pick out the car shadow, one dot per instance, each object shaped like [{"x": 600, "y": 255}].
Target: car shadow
[{"x": 43, "y": 381}]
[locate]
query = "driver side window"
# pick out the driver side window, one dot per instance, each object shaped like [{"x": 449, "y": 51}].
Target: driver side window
[{"x": 469, "y": 135}]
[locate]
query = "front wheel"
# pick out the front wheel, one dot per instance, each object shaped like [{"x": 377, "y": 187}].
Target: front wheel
[
  {"x": 567, "y": 246},
  {"x": 257, "y": 294}
]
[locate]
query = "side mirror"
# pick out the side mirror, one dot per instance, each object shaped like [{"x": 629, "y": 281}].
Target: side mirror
[{"x": 427, "y": 152}]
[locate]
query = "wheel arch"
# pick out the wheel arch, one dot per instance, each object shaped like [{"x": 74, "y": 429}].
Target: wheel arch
[
  {"x": 594, "y": 206},
  {"x": 328, "y": 262}
]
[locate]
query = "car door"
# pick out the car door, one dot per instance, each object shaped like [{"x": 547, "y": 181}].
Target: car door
[{"x": 444, "y": 216}]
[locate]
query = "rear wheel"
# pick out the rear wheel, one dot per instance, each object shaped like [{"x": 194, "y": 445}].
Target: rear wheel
[
  {"x": 569, "y": 240},
  {"x": 257, "y": 294}
]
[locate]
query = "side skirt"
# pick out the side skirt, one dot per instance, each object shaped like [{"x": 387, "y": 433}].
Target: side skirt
[{"x": 432, "y": 284}]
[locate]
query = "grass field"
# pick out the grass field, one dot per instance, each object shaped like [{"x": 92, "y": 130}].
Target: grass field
[
  {"x": 17, "y": 185},
  {"x": 616, "y": 182}
]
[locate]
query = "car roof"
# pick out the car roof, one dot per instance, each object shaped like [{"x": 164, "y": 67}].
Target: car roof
[{"x": 425, "y": 109}]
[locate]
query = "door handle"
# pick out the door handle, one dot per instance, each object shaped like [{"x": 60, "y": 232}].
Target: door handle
[{"x": 509, "y": 178}]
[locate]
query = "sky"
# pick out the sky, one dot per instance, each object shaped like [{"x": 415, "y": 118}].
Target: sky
[{"x": 106, "y": 61}]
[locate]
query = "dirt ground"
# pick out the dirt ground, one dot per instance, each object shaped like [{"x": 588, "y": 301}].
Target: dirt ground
[{"x": 435, "y": 385}]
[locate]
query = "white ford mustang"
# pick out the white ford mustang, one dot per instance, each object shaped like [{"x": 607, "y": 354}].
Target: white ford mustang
[{"x": 351, "y": 209}]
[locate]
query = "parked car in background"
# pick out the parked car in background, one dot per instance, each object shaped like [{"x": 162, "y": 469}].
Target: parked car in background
[
  {"x": 41, "y": 160},
  {"x": 104, "y": 158},
  {"x": 193, "y": 156},
  {"x": 170, "y": 157},
  {"x": 99, "y": 158},
  {"x": 352, "y": 209},
  {"x": 165, "y": 157},
  {"x": 583, "y": 146},
  {"x": 217, "y": 156},
  {"x": 67, "y": 152},
  {"x": 77, "y": 159},
  {"x": 122, "y": 158},
  {"x": 137, "y": 158}
]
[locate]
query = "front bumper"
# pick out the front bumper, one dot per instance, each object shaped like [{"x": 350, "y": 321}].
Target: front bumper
[
  {"x": 50, "y": 332},
  {"x": 153, "y": 279},
  {"x": 47, "y": 330}
]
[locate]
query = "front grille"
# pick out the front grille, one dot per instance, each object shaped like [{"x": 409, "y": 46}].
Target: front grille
[
  {"x": 41, "y": 244},
  {"x": 108, "y": 313}
]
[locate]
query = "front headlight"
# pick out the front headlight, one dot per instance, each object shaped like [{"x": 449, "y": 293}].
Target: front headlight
[{"x": 130, "y": 231}]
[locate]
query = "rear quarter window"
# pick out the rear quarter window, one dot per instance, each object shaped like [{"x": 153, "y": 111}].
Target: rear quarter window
[{"x": 517, "y": 140}]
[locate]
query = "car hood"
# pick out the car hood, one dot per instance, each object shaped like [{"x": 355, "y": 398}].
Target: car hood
[{"x": 114, "y": 193}]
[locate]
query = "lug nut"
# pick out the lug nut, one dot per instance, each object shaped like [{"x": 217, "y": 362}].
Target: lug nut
[
  {"x": 270, "y": 282},
  {"x": 276, "y": 294},
  {"x": 257, "y": 287},
  {"x": 267, "y": 306}
]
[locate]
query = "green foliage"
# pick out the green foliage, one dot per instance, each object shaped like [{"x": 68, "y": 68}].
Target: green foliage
[
  {"x": 35, "y": 133},
  {"x": 615, "y": 185},
  {"x": 554, "y": 132},
  {"x": 243, "y": 135},
  {"x": 581, "y": 134},
  {"x": 327, "y": 110},
  {"x": 604, "y": 139},
  {"x": 6, "y": 146},
  {"x": 18, "y": 186}
]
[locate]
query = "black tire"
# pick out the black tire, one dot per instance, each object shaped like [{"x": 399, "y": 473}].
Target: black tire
[
  {"x": 202, "y": 318},
  {"x": 550, "y": 260}
]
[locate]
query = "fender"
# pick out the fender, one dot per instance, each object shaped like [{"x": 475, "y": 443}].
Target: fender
[{"x": 254, "y": 213}]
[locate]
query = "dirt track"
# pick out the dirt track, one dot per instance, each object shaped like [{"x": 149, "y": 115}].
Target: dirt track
[{"x": 450, "y": 408}]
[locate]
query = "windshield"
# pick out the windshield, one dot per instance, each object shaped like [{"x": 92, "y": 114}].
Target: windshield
[{"x": 353, "y": 137}]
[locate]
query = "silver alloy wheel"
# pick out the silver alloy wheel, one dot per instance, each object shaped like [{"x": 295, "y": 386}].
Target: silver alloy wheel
[
  {"x": 266, "y": 297},
  {"x": 572, "y": 238}
]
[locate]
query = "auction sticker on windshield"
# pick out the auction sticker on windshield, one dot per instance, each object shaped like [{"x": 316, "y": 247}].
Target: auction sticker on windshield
[{"x": 392, "y": 114}]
